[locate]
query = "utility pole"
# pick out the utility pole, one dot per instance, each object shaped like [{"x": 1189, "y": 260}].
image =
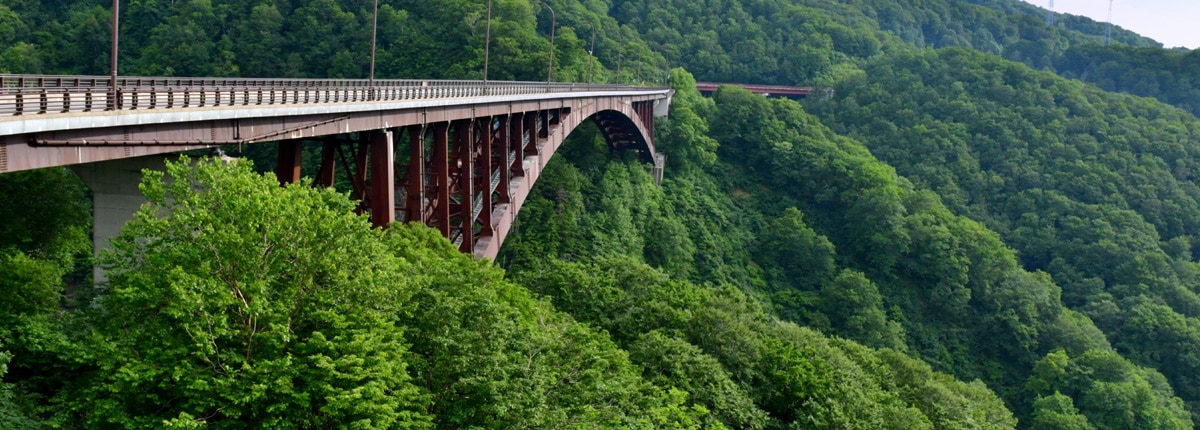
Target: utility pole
[
  {"x": 1050, "y": 14},
  {"x": 487, "y": 45},
  {"x": 591, "y": 54},
  {"x": 620, "y": 50},
  {"x": 374, "y": 27},
  {"x": 550, "y": 70},
  {"x": 1108, "y": 32},
  {"x": 116, "y": 35}
]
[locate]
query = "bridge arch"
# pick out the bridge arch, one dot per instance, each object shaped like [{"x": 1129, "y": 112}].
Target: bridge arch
[
  {"x": 625, "y": 132},
  {"x": 474, "y": 148},
  {"x": 475, "y": 206}
]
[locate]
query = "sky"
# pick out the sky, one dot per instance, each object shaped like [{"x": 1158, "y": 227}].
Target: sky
[{"x": 1172, "y": 22}]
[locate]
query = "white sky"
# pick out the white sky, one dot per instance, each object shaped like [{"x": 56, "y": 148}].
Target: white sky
[{"x": 1172, "y": 22}]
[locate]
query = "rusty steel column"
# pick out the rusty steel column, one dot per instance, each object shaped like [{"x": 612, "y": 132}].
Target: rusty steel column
[
  {"x": 464, "y": 145},
  {"x": 324, "y": 177},
  {"x": 649, "y": 124},
  {"x": 441, "y": 172},
  {"x": 543, "y": 126},
  {"x": 503, "y": 189},
  {"x": 485, "y": 178},
  {"x": 647, "y": 113},
  {"x": 358, "y": 176},
  {"x": 517, "y": 144},
  {"x": 383, "y": 179},
  {"x": 530, "y": 147},
  {"x": 287, "y": 165},
  {"x": 416, "y": 174},
  {"x": 360, "y": 164}
]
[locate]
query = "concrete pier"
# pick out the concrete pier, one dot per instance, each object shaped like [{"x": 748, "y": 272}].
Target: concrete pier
[{"x": 115, "y": 197}]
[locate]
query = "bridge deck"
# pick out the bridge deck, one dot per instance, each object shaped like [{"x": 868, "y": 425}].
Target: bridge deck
[
  {"x": 708, "y": 87},
  {"x": 36, "y": 104},
  {"x": 58, "y": 120},
  {"x": 474, "y": 149}
]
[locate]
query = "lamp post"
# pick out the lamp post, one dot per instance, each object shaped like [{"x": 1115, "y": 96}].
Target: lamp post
[
  {"x": 374, "y": 27},
  {"x": 550, "y": 70},
  {"x": 487, "y": 45},
  {"x": 591, "y": 54},
  {"x": 620, "y": 50},
  {"x": 112, "y": 94}
]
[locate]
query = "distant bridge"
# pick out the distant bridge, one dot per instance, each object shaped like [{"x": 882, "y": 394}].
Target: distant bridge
[
  {"x": 473, "y": 148},
  {"x": 776, "y": 90}
]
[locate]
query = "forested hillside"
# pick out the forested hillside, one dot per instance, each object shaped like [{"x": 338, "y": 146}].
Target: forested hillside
[
  {"x": 957, "y": 237},
  {"x": 1096, "y": 191},
  {"x": 1169, "y": 76}
]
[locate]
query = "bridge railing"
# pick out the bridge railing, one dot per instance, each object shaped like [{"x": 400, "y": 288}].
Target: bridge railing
[{"x": 49, "y": 94}]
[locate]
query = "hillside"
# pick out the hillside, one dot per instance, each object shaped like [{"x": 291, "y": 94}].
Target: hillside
[
  {"x": 1096, "y": 191},
  {"x": 957, "y": 238}
]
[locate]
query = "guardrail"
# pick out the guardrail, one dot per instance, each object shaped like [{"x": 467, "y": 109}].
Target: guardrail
[{"x": 50, "y": 94}]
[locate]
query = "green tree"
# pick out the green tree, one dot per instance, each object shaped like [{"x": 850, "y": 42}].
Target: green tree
[
  {"x": 491, "y": 355},
  {"x": 673, "y": 362},
  {"x": 235, "y": 302},
  {"x": 855, "y": 309},
  {"x": 1058, "y": 412},
  {"x": 12, "y": 415}
]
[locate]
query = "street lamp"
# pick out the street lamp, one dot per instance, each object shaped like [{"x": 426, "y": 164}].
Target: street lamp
[
  {"x": 550, "y": 70},
  {"x": 112, "y": 101},
  {"x": 592, "y": 53},
  {"x": 487, "y": 44},
  {"x": 374, "y": 26},
  {"x": 620, "y": 50}
]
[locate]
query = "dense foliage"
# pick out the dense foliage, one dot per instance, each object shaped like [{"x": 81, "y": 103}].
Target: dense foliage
[
  {"x": 1091, "y": 187},
  {"x": 793, "y": 42},
  {"x": 833, "y": 239},
  {"x": 955, "y": 237},
  {"x": 416, "y": 39},
  {"x": 235, "y": 302},
  {"x": 1169, "y": 76}
]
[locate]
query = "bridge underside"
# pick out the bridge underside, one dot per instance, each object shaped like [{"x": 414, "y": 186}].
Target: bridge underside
[
  {"x": 463, "y": 169},
  {"x": 466, "y": 177}
]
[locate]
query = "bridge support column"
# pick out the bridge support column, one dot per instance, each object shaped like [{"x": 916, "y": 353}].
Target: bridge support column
[
  {"x": 485, "y": 176},
  {"x": 324, "y": 177},
  {"x": 416, "y": 174},
  {"x": 287, "y": 166},
  {"x": 529, "y": 146},
  {"x": 507, "y": 139},
  {"x": 358, "y": 180},
  {"x": 518, "y": 136},
  {"x": 382, "y": 198},
  {"x": 464, "y": 145},
  {"x": 115, "y": 197},
  {"x": 441, "y": 172}
]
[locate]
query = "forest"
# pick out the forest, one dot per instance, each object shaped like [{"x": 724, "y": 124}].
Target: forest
[{"x": 990, "y": 222}]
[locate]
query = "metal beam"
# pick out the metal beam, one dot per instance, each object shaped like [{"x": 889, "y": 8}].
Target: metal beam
[
  {"x": 440, "y": 169},
  {"x": 465, "y": 173},
  {"x": 485, "y": 176},
  {"x": 416, "y": 174},
  {"x": 329, "y": 149},
  {"x": 287, "y": 166}
]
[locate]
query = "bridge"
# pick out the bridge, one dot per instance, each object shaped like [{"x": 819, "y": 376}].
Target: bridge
[
  {"x": 778, "y": 90},
  {"x": 459, "y": 156}
]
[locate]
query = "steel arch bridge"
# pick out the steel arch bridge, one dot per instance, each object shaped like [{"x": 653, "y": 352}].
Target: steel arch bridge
[{"x": 472, "y": 150}]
